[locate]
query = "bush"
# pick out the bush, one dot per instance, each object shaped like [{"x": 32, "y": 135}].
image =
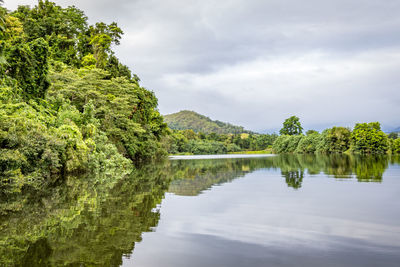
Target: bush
[
  {"x": 396, "y": 146},
  {"x": 309, "y": 143},
  {"x": 281, "y": 143},
  {"x": 338, "y": 139},
  {"x": 294, "y": 140},
  {"x": 198, "y": 147},
  {"x": 368, "y": 138}
]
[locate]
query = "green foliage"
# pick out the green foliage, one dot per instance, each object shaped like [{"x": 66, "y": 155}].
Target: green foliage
[
  {"x": 57, "y": 118},
  {"x": 393, "y": 135},
  {"x": 27, "y": 63},
  {"x": 61, "y": 27},
  {"x": 396, "y": 146},
  {"x": 187, "y": 141},
  {"x": 309, "y": 132},
  {"x": 101, "y": 38},
  {"x": 337, "y": 139},
  {"x": 40, "y": 145},
  {"x": 116, "y": 69},
  {"x": 126, "y": 111},
  {"x": 281, "y": 143},
  {"x": 365, "y": 138},
  {"x": 291, "y": 126},
  {"x": 287, "y": 143},
  {"x": 293, "y": 143},
  {"x": 199, "y": 147},
  {"x": 309, "y": 143},
  {"x": 191, "y": 120},
  {"x": 368, "y": 138},
  {"x": 75, "y": 223}
]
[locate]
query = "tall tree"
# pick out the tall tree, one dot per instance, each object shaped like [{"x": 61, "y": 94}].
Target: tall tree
[
  {"x": 291, "y": 126},
  {"x": 369, "y": 138}
]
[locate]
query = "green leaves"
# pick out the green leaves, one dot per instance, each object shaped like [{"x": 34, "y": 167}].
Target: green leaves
[
  {"x": 28, "y": 65},
  {"x": 126, "y": 112},
  {"x": 368, "y": 138},
  {"x": 291, "y": 126}
]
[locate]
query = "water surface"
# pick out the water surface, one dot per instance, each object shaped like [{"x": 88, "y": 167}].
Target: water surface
[{"x": 286, "y": 210}]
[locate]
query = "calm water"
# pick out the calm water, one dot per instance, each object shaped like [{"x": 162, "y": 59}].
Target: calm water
[{"x": 286, "y": 210}]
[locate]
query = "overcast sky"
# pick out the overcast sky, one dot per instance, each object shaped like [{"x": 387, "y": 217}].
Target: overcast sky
[{"x": 255, "y": 63}]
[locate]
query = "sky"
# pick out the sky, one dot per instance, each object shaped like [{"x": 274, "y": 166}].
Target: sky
[{"x": 255, "y": 63}]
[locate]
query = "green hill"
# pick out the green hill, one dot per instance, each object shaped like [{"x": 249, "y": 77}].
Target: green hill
[{"x": 186, "y": 119}]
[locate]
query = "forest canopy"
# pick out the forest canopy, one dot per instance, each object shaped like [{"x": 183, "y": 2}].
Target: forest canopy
[{"x": 67, "y": 103}]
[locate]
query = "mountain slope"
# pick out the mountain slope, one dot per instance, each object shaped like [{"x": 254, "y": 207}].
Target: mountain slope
[
  {"x": 397, "y": 130},
  {"x": 186, "y": 119}
]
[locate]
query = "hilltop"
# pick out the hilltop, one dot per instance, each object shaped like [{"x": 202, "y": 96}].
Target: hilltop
[
  {"x": 186, "y": 119},
  {"x": 397, "y": 130}
]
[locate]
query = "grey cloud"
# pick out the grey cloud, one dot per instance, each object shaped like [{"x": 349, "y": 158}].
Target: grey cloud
[{"x": 256, "y": 62}]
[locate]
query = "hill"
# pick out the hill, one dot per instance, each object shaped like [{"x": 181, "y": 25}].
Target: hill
[
  {"x": 186, "y": 119},
  {"x": 397, "y": 130}
]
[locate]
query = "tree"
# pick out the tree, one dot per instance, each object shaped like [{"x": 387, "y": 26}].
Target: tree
[
  {"x": 309, "y": 132},
  {"x": 369, "y": 138},
  {"x": 28, "y": 65},
  {"x": 102, "y": 36},
  {"x": 338, "y": 139},
  {"x": 291, "y": 126},
  {"x": 396, "y": 146},
  {"x": 393, "y": 135}
]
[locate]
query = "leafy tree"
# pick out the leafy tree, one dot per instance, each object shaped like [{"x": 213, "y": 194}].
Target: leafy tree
[
  {"x": 396, "y": 146},
  {"x": 86, "y": 119},
  {"x": 60, "y": 27},
  {"x": 291, "y": 126},
  {"x": 338, "y": 139},
  {"x": 28, "y": 65},
  {"x": 294, "y": 141},
  {"x": 393, "y": 136},
  {"x": 309, "y": 132},
  {"x": 126, "y": 111},
  {"x": 101, "y": 38},
  {"x": 369, "y": 138},
  {"x": 309, "y": 143},
  {"x": 281, "y": 143}
]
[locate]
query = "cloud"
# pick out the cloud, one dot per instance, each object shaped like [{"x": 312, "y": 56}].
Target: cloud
[{"x": 254, "y": 63}]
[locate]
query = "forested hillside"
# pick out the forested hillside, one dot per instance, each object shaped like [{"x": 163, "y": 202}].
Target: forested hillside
[
  {"x": 67, "y": 104},
  {"x": 185, "y": 120}
]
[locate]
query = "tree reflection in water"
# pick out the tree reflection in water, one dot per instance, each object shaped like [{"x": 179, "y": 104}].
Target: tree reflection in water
[{"x": 96, "y": 220}]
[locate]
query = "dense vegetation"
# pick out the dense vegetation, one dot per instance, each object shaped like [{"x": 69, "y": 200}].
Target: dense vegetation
[
  {"x": 66, "y": 102},
  {"x": 365, "y": 138},
  {"x": 68, "y": 105},
  {"x": 194, "y": 133},
  {"x": 90, "y": 220},
  {"x": 185, "y": 120},
  {"x": 187, "y": 141}
]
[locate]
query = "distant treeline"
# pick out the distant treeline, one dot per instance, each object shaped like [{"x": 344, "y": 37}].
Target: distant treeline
[
  {"x": 188, "y": 141},
  {"x": 365, "y": 138}
]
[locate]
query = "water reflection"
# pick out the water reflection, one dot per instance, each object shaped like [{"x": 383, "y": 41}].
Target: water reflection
[
  {"x": 96, "y": 220},
  {"x": 83, "y": 222},
  {"x": 191, "y": 177}
]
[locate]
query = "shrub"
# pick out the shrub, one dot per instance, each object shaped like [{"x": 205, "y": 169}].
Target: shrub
[
  {"x": 368, "y": 138},
  {"x": 281, "y": 143},
  {"x": 308, "y": 144}
]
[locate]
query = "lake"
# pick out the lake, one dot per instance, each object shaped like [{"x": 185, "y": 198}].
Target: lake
[{"x": 258, "y": 210}]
